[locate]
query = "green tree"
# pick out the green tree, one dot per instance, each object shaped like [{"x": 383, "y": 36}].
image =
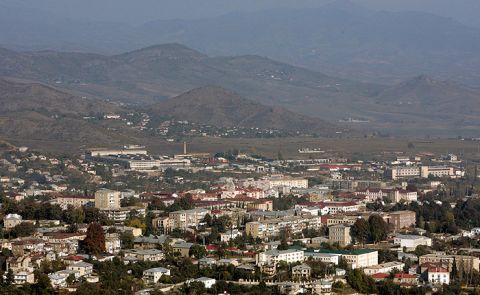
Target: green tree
[
  {"x": 127, "y": 239},
  {"x": 197, "y": 251},
  {"x": 361, "y": 231},
  {"x": 23, "y": 229},
  {"x": 378, "y": 228}
]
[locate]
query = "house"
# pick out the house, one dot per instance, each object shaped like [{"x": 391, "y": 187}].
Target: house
[
  {"x": 207, "y": 282},
  {"x": 230, "y": 235},
  {"x": 153, "y": 275},
  {"x": 405, "y": 279},
  {"x": 301, "y": 272},
  {"x": 438, "y": 276},
  {"x": 380, "y": 276},
  {"x": 384, "y": 268},
  {"x": 12, "y": 220},
  {"x": 59, "y": 279},
  {"x": 182, "y": 248},
  {"x": 23, "y": 277},
  {"x": 83, "y": 268},
  {"x": 144, "y": 255},
  {"x": 112, "y": 243},
  {"x": 149, "y": 242},
  {"x": 207, "y": 262}
]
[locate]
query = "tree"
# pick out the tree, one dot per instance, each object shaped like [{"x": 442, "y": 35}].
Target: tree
[
  {"x": 127, "y": 239},
  {"x": 23, "y": 229},
  {"x": 361, "y": 231},
  {"x": 94, "y": 242},
  {"x": 9, "y": 277},
  {"x": 378, "y": 228},
  {"x": 198, "y": 251}
]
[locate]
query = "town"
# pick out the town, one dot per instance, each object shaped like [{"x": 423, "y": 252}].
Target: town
[{"x": 124, "y": 221}]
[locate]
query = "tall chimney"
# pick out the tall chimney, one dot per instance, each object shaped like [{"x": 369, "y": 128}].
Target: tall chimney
[{"x": 184, "y": 147}]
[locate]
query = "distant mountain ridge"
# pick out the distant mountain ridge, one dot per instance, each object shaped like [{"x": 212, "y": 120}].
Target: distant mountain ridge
[
  {"x": 340, "y": 39},
  {"x": 216, "y": 106},
  {"x": 154, "y": 74}
]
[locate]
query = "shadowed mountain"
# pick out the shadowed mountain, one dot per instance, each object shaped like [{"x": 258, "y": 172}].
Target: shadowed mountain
[
  {"x": 219, "y": 107},
  {"x": 33, "y": 113},
  {"x": 340, "y": 39}
]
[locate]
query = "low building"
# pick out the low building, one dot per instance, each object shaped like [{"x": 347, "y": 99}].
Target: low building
[
  {"x": 384, "y": 268},
  {"x": 83, "y": 268},
  {"x": 182, "y": 248},
  {"x": 405, "y": 279},
  {"x": 301, "y": 272},
  {"x": 12, "y": 220},
  {"x": 207, "y": 282},
  {"x": 412, "y": 241},
  {"x": 144, "y": 255},
  {"x": 230, "y": 235},
  {"x": 323, "y": 257},
  {"x": 153, "y": 275}
]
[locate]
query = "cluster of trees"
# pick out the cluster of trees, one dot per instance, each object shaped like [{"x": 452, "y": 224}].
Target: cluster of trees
[{"x": 373, "y": 230}]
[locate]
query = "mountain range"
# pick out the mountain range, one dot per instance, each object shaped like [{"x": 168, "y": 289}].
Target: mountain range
[
  {"x": 153, "y": 75},
  {"x": 341, "y": 39}
]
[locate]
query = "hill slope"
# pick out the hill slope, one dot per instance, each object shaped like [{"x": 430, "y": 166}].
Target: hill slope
[
  {"x": 219, "y": 107},
  {"x": 31, "y": 113}
]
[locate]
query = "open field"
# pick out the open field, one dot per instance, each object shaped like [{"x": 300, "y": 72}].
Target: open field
[{"x": 288, "y": 147}]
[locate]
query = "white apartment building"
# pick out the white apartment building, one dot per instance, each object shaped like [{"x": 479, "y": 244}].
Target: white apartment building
[
  {"x": 323, "y": 257},
  {"x": 412, "y": 241},
  {"x": 438, "y": 276},
  {"x": 358, "y": 258},
  {"x": 275, "y": 256}
]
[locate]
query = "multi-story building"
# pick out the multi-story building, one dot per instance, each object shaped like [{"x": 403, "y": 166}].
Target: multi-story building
[
  {"x": 437, "y": 171},
  {"x": 323, "y": 257},
  {"x": 107, "y": 199},
  {"x": 272, "y": 227},
  {"x": 400, "y": 219},
  {"x": 438, "y": 276},
  {"x": 301, "y": 272},
  {"x": 339, "y": 234},
  {"x": 399, "y": 195},
  {"x": 284, "y": 181},
  {"x": 263, "y": 205},
  {"x": 75, "y": 201},
  {"x": 186, "y": 218},
  {"x": 12, "y": 220},
  {"x": 358, "y": 258},
  {"x": 153, "y": 275},
  {"x": 403, "y": 172},
  {"x": 275, "y": 256},
  {"x": 465, "y": 262}
]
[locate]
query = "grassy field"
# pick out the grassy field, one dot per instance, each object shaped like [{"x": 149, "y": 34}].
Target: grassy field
[{"x": 288, "y": 147}]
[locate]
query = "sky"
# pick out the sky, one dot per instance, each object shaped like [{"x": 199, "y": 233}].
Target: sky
[{"x": 140, "y": 11}]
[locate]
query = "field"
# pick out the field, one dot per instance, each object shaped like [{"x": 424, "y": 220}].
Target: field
[{"x": 357, "y": 148}]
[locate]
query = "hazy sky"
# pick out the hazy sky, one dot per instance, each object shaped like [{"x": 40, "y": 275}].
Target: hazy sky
[{"x": 139, "y": 11}]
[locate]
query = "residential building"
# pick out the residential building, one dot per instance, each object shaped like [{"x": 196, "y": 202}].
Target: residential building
[
  {"x": 83, "y": 268},
  {"x": 107, "y": 199},
  {"x": 12, "y": 220},
  {"x": 358, "y": 258},
  {"x": 465, "y": 262},
  {"x": 144, "y": 255},
  {"x": 153, "y": 275},
  {"x": 301, "y": 272},
  {"x": 339, "y": 234},
  {"x": 412, "y": 241},
  {"x": 275, "y": 256},
  {"x": 403, "y": 172},
  {"x": 182, "y": 248},
  {"x": 384, "y": 268},
  {"x": 400, "y": 219},
  {"x": 437, "y": 171},
  {"x": 438, "y": 276}
]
